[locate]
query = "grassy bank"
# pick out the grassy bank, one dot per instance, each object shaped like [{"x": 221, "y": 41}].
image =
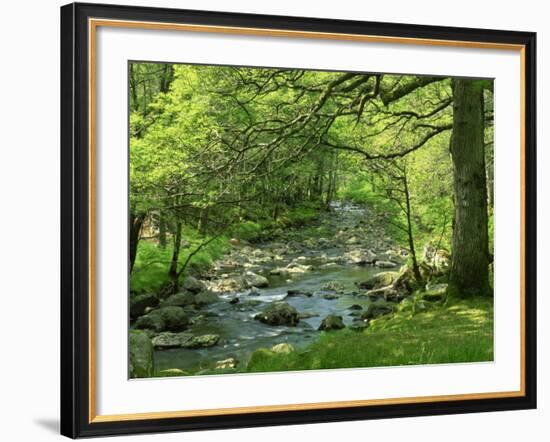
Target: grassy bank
[
  {"x": 150, "y": 271},
  {"x": 460, "y": 331}
]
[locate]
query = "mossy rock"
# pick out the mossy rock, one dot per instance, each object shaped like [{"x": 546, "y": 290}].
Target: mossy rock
[
  {"x": 260, "y": 357},
  {"x": 166, "y": 340},
  {"x": 181, "y": 299},
  {"x": 279, "y": 313},
  {"x": 359, "y": 325},
  {"x": 169, "y": 318},
  {"x": 382, "y": 279},
  {"x": 332, "y": 322},
  {"x": 377, "y": 309},
  {"x": 282, "y": 348},
  {"x": 216, "y": 371},
  {"x": 171, "y": 372},
  {"x": 206, "y": 297},
  {"x": 203, "y": 341},
  {"x": 193, "y": 285},
  {"x": 139, "y": 303},
  {"x": 141, "y": 355}
]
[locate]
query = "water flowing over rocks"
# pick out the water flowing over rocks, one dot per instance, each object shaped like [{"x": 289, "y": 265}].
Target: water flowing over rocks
[{"x": 274, "y": 295}]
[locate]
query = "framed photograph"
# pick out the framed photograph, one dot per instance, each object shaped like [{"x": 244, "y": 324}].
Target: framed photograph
[{"x": 274, "y": 220}]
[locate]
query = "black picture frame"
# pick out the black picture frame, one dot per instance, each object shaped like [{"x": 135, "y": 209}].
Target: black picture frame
[{"x": 75, "y": 220}]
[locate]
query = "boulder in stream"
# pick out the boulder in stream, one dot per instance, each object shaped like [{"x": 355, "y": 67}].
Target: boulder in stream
[
  {"x": 298, "y": 268},
  {"x": 332, "y": 322},
  {"x": 360, "y": 257},
  {"x": 298, "y": 292},
  {"x": 279, "y": 313},
  {"x": 251, "y": 279},
  {"x": 184, "y": 340},
  {"x": 334, "y": 286},
  {"x": 382, "y": 279},
  {"x": 202, "y": 341},
  {"x": 228, "y": 285},
  {"x": 170, "y": 340},
  {"x": 385, "y": 264},
  {"x": 279, "y": 271}
]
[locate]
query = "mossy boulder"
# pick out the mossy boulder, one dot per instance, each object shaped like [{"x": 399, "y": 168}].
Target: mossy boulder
[
  {"x": 141, "y": 355},
  {"x": 182, "y": 299},
  {"x": 171, "y": 372},
  {"x": 359, "y": 325},
  {"x": 206, "y": 297},
  {"x": 168, "y": 340},
  {"x": 259, "y": 358},
  {"x": 385, "y": 264},
  {"x": 139, "y": 303},
  {"x": 225, "y": 364},
  {"x": 332, "y": 322},
  {"x": 203, "y": 341},
  {"x": 193, "y": 285},
  {"x": 251, "y": 279},
  {"x": 282, "y": 348},
  {"x": 382, "y": 279},
  {"x": 279, "y": 313},
  {"x": 377, "y": 309},
  {"x": 333, "y": 286},
  {"x": 169, "y": 318}
]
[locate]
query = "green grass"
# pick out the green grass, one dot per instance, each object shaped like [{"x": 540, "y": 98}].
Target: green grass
[
  {"x": 461, "y": 331},
  {"x": 150, "y": 271},
  {"x": 299, "y": 216}
]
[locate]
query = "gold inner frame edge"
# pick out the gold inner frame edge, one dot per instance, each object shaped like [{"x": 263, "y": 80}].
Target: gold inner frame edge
[{"x": 93, "y": 24}]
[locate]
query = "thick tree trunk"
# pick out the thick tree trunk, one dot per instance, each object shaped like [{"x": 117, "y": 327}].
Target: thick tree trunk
[
  {"x": 136, "y": 223},
  {"x": 470, "y": 255}
]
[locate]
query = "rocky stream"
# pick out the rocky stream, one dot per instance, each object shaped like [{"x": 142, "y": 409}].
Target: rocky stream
[{"x": 323, "y": 276}]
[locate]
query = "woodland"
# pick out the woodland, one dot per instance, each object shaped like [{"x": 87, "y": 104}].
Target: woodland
[{"x": 286, "y": 219}]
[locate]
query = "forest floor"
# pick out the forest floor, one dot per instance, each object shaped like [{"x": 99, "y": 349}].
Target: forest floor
[{"x": 310, "y": 274}]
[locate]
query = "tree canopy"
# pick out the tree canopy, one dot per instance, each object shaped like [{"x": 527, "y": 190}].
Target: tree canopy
[{"x": 221, "y": 150}]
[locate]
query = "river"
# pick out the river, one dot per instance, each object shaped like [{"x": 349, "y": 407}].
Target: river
[{"x": 240, "y": 334}]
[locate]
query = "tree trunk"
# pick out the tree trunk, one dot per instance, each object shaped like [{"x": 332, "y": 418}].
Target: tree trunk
[
  {"x": 412, "y": 249},
  {"x": 173, "y": 270},
  {"x": 470, "y": 255},
  {"x": 162, "y": 231},
  {"x": 136, "y": 222}
]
